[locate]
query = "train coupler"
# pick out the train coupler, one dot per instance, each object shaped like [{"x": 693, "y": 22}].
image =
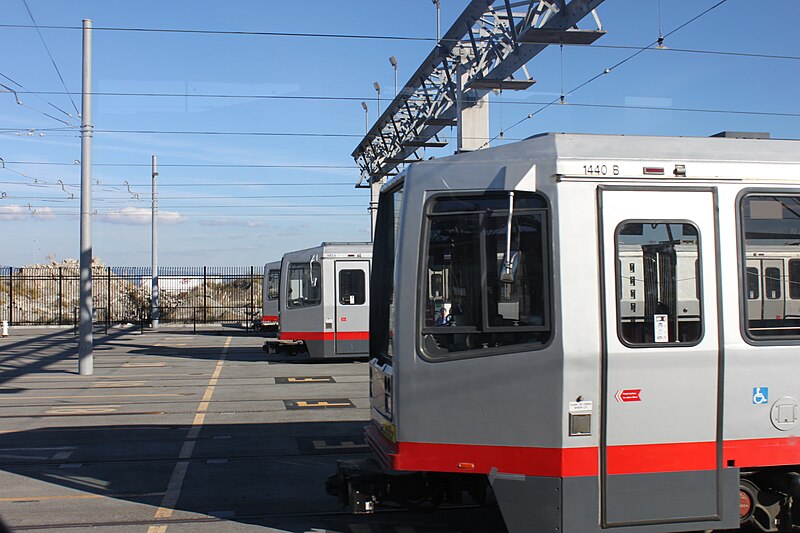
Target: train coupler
[{"x": 359, "y": 484}]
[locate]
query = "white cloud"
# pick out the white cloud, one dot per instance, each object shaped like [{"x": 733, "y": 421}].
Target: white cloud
[
  {"x": 140, "y": 216},
  {"x": 20, "y": 212},
  {"x": 225, "y": 221}
]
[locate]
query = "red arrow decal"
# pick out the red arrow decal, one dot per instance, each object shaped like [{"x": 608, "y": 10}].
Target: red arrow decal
[{"x": 628, "y": 395}]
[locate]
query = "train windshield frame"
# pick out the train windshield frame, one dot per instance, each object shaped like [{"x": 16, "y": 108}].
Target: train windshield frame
[
  {"x": 382, "y": 294},
  {"x": 469, "y": 305}
]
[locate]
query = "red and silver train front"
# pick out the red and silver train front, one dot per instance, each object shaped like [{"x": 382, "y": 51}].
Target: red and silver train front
[
  {"x": 324, "y": 302},
  {"x": 553, "y": 337}
]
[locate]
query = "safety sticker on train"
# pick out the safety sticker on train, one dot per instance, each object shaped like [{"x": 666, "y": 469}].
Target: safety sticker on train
[
  {"x": 580, "y": 407},
  {"x": 628, "y": 395}
]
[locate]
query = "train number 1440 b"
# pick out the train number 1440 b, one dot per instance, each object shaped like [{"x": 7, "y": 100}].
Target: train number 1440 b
[{"x": 601, "y": 170}]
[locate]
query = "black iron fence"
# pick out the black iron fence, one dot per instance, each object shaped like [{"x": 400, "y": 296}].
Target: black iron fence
[{"x": 199, "y": 295}]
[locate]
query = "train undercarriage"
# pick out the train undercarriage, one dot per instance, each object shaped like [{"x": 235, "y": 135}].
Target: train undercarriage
[
  {"x": 769, "y": 499},
  {"x": 362, "y": 485}
]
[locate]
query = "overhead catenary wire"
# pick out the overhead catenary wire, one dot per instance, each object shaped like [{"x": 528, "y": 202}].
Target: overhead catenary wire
[
  {"x": 212, "y": 206},
  {"x": 608, "y": 70},
  {"x": 188, "y": 165},
  {"x": 33, "y": 93},
  {"x": 228, "y": 184},
  {"x": 214, "y": 197},
  {"x": 355, "y": 36},
  {"x": 98, "y": 213},
  {"x": 52, "y": 60},
  {"x": 244, "y": 33}
]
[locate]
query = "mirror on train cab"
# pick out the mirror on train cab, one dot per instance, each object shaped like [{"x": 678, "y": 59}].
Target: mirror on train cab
[
  {"x": 314, "y": 279},
  {"x": 511, "y": 258},
  {"x": 511, "y": 261}
]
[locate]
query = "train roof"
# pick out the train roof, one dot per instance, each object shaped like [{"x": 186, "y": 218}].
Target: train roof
[
  {"x": 362, "y": 248},
  {"x": 596, "y": 146},
  {"x": 718, "y": 157}
]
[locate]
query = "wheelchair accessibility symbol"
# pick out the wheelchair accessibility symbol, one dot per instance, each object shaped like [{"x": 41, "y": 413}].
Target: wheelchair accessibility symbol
[{"x": 760, "y": 395}]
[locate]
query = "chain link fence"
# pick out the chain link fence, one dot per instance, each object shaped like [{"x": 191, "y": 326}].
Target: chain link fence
[{"x": 50, "y": 295}]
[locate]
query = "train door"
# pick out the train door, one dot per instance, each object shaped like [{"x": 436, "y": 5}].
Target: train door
[
  {"x": 352, "y": 307},
  {"x": 660, "y": 441}
]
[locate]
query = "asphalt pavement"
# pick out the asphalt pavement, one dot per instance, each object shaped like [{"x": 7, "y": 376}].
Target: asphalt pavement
[{"x": 180, "y": 432}]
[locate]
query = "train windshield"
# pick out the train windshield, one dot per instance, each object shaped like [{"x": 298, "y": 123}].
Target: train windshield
[
  {"x": 472, "y": 304},
  {"x": 273, "y": 284},
  {"x": 303, "y": 288}
]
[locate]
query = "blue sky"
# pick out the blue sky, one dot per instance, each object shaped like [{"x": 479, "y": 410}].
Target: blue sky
[{"x": 298, "y": 190}]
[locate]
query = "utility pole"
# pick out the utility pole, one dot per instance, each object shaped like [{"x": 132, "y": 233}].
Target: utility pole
[
  {"x": 154, "y": 251},
  {"x": 85, "y": 356}
]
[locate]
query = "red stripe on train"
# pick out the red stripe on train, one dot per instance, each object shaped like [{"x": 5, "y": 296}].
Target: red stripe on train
[
  {"x": 761, "y": 452},
  {"x": 646, "y": 458},
  {"x": 429, "y": 457},
  {"x": 269, "y": 318},
  {"x": 324, "y": 335},
  {"x": 570, "y": 462}
]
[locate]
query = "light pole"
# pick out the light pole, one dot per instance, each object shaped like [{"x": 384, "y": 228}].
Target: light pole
[
  {"x": 393, "y": 61},
  {"x": 154, "y": 250},
  {"x": 86, "y": 339},
  {"x": 366, "y": 117},
  {"x": 438, "y": 21},
  {"x": 378, "y": 88}
]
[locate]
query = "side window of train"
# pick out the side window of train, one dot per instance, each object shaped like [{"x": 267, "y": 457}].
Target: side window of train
[
  {"x": 303, "y": 287},
  {"x": 352, "y": 287},
  {"x": 770, "y": 233},
  {"x": 658, "y": 283},
  {"x": 475, "y": 298}
]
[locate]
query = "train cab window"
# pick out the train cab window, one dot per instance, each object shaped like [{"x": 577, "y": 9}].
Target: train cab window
[
  {"x": 352, "y": 287},
  {"x": 273, "y": 284},
  {"x": 478, "y": 298},
  {"x": 663, "y": 306},
  {"x": 303, "y": 287},
  {"x": 770, "y": 234}
]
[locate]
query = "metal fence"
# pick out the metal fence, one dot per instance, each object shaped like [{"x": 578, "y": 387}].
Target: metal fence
[{"x": 199, "y": 295}]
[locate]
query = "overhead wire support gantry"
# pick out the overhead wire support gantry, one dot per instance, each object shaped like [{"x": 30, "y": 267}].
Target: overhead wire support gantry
[{"x": 482, "y": 51}]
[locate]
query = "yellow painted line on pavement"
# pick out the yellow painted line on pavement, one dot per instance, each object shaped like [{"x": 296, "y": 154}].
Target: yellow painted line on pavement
[
  {"x": 83, "y": 410},
  {"x": 150, "y": 395},
  {"x": 175, "y": 485},
  {"x": 112, "y": 384},
  {"x": 70, "y": 376},
  {"x": 78, "y": 497}
]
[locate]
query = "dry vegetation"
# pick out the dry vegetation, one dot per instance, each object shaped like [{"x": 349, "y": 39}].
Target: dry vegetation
[{"x": 50, "y": 293}]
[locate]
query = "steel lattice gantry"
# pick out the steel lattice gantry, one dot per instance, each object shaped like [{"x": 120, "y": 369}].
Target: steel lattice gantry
[{"x": 482, "y": 51}]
